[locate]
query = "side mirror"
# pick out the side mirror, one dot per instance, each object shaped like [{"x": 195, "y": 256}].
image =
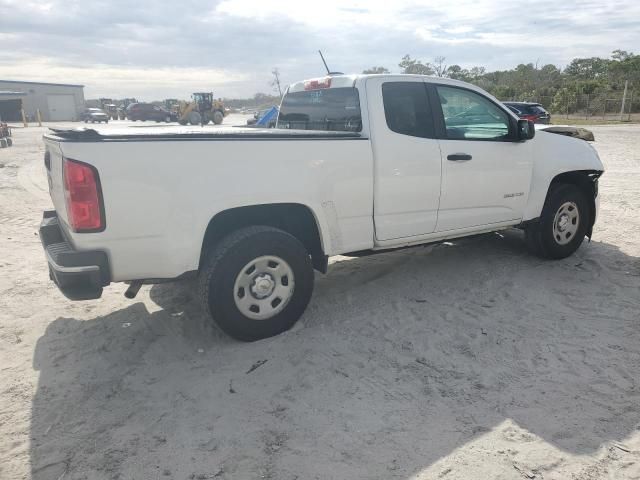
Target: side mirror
[{"x": 526, "y": 130}]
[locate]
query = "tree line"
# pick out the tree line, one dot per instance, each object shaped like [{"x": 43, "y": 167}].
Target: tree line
[
  {"x": 557, "y": 88},
  {"x": 583, "y": 76}
]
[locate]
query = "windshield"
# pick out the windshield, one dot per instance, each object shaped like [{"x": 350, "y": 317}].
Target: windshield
[{"x": 332, "y": 109}]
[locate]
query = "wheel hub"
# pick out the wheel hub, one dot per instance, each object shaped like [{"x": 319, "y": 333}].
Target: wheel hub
[
  {"x": 262, "y": 286},
  {"x": 566, "y": 223},
  {"x": 563, "y": 222}
]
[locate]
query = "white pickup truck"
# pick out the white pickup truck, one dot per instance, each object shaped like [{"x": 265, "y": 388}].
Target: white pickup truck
[{"x": 356, "y": 163}]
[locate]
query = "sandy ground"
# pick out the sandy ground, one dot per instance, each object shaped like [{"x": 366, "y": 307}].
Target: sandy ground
[{"x": 467, "y": 360}]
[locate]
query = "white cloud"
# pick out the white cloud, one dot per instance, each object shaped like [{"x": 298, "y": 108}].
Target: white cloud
[
  {"x": 112, "y": 81},
  {"x": 458, "y": 30},
  {"x": 153, "y": 49}
]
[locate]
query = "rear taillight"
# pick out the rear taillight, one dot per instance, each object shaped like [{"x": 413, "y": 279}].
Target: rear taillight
[
  {"x": 83, "y": 196},
  {"x": 531, "y": 117}
]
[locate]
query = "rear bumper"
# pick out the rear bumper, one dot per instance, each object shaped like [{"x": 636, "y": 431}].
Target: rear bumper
[{"x": 80, "y": 275}]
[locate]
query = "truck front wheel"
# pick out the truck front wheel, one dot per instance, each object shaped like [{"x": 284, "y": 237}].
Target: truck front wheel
[
  {"x": 257, "y": 282},
  {"x": 563, "y": 223}
]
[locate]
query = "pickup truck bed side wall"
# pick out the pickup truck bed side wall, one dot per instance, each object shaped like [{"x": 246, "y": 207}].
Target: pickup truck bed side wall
[{"x": 155, "y": 207}]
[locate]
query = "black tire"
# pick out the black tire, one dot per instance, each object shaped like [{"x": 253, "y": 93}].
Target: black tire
[
  {"x": 194, "y": 118},
  {"x": 218, "y": 117},
  {"x": 540, "y": 238},
  {"x": 225, "y": 262}
]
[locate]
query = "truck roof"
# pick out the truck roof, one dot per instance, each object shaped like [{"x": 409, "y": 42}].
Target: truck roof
[{"x": 350, "y": 80}]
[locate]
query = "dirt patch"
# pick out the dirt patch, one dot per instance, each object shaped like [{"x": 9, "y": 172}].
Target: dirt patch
[{"x": 466, "y": 360}]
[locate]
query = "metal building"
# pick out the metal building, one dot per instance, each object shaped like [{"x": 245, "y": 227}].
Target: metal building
[{"x": 56, "y": 101}]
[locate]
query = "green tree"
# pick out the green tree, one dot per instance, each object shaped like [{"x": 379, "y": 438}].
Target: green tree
[
  {"x": 587, "y": 68},
  {"x": 625, "y": 66},
  {"x": 410, "y": 65},
  {"x": 376, "y": 70},
  {"x": 439, "y": 67},
  {"x": 458, "y": 73},
  {"x": 621, "y": 55},
  {"x": 476, "y": 73}
]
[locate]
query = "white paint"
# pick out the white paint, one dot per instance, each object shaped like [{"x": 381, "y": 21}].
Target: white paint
[
  {"x": 61, "y": 107},
  {"x": 407, "y": 173},
  {"x": 160, "y": 195}
]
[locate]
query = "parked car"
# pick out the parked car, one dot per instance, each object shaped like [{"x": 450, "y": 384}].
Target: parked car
[
  {"x": 149, "y": 111},
  {"x": 529, "y": 111},
  {"x": 356, "y": 164},
  {"x": 94, "y": 115}
]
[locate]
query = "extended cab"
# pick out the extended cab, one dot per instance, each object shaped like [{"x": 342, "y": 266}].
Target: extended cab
[{"x": 356, "y": 163}]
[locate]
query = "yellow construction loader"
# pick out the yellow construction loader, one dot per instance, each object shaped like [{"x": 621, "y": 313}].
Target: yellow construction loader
[{"x": 202, "y": 110}]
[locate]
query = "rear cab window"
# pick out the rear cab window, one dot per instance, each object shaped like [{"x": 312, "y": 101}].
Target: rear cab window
[
  {"x": 406, "y": 109},
  {"x": 326, "y": 109}
]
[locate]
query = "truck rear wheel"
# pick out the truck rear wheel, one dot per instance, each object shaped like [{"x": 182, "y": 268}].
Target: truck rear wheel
[
  {"x": 563, "y": 223},
  {"x": 218, "y": 117},
  {"x": 257, "y": 282}
]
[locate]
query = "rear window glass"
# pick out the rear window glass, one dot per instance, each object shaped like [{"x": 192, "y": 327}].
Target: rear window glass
[
  {"x": 331, "y": 109},
  {"x": 537, "y": 109},
  {"x": 406, "y": 108},
  {"x": 529, "y": 109}
]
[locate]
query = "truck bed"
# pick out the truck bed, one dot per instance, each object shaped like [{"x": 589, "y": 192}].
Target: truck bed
[
  {"x": 179, "y": 132},
  {"x": 161, "y": 187}
]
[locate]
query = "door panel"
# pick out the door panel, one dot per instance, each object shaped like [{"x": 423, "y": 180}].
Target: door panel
[
  {"x": 485, "y": 177},
  {"x": 407, "y": 164},
  {"x": 492, "y": 187},
  {"x": 61, "y": 107}
]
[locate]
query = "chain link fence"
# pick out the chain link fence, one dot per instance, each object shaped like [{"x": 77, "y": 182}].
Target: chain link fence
[{"x": 596, "y": 106}]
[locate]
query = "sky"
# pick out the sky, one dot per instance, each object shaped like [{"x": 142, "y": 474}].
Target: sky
[{"x": 156, "y": 49}]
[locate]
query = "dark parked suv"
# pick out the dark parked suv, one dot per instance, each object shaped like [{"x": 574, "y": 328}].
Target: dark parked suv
[
  {"x": 529, "y": 111},
  {"x": 148, "y": 111}
]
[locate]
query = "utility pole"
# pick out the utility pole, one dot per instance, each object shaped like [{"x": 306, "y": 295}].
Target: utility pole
[
  {"x": 624, "y": 99},
  {"x": 276, "y": 81}
]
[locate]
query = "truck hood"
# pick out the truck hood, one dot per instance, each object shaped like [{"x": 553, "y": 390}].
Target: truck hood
[
  {"x": 562, "y": 153},
  {"x": 568, "y": 131}
]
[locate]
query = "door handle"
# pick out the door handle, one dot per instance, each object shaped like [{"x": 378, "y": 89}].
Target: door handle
[{"x": 459, "y": 157}]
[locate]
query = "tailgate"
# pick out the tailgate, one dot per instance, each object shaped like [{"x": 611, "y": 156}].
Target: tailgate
[{"x": 53, "y": 166}]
